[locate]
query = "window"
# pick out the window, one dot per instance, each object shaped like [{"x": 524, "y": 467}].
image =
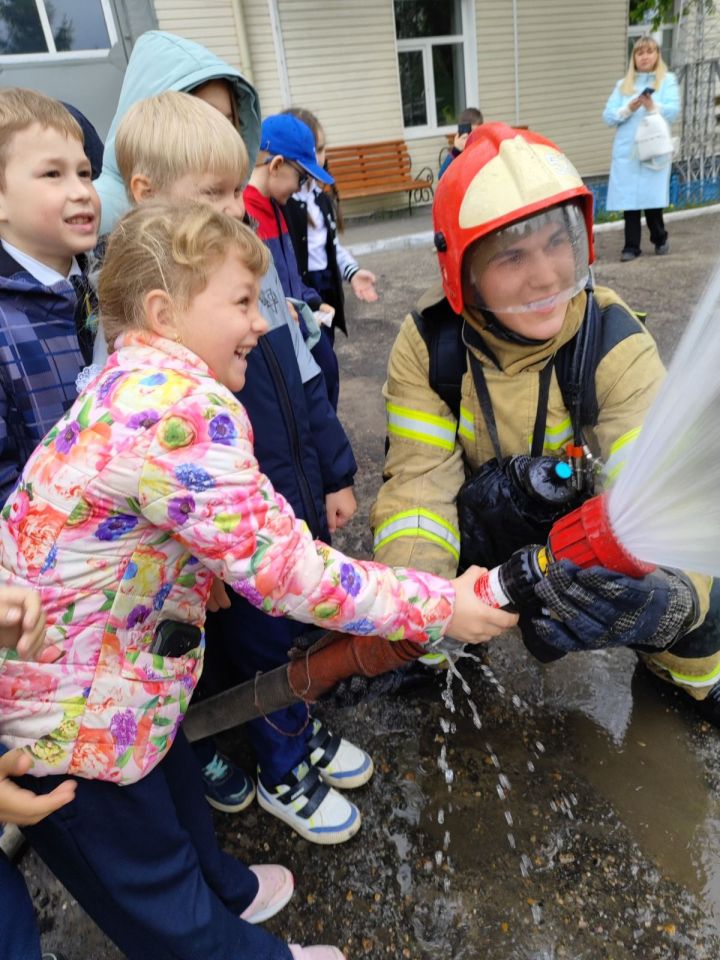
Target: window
[
  {"x": 433, "y": 56},
  {"x": 55, "y": 29}
]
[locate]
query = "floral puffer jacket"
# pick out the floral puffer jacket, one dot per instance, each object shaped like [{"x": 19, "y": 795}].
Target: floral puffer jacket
[{"x": 141, "y": 493}]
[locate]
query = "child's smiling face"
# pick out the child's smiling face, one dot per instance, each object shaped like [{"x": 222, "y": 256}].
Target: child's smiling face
[
  {"x": 49, "y": 208},
  {"x": 223, "y": 323}
]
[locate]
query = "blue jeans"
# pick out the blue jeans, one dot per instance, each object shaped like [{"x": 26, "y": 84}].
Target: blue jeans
[
  {"x": 143, "y": 861},
  {"x": 19, "y": 936}
]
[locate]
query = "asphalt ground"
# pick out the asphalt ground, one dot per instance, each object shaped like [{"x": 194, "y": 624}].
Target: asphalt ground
[{"x": 610, "y": 785}]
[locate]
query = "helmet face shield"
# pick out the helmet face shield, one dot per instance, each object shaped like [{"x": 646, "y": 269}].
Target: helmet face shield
[{"x": 531, "y": 266}]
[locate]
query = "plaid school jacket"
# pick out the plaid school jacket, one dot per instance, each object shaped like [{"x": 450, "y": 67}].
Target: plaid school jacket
[{"x": 40, "y": 358}]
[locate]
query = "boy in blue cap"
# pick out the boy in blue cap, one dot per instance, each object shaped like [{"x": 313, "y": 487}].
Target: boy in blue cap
[{"x": 285, "y": 161}]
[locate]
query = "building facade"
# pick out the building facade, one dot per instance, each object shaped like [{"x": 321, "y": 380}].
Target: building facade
[{"x": 370, "y": 69}]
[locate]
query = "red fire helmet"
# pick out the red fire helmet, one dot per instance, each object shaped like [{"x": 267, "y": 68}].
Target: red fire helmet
[{"x": 503, "y": 175}]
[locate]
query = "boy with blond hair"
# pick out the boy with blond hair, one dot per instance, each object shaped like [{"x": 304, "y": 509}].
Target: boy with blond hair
[
  {"x": 175, "y": 147},
  {"x": 49, "y": 216}
]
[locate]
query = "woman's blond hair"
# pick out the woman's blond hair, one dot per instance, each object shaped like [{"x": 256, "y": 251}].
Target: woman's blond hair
[
  {"x": 174, "y": 134},
  {"x": 20, "y": 109},
  {"x": 170, "y": 247},
  {"x": 627, "y": 88}
]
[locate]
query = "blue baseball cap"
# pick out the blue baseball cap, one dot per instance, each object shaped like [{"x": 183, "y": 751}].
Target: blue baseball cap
[{"x": 284, "y": 135}]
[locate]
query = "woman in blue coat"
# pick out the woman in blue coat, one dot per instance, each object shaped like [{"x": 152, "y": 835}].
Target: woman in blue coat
[{"x": 634, "y": 185}]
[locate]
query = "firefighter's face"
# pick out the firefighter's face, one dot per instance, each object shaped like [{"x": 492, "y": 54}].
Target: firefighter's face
[{"x": 526, "y": 284}]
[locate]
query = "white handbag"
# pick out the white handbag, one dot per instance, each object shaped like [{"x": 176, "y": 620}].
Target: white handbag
[{"x": 653, "y": 139}]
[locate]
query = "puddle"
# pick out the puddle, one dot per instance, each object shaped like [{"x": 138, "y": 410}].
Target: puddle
[{"x": 582, "y": 801}]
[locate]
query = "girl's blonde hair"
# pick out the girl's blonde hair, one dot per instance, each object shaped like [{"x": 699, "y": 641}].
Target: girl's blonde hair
[
  {"x": 174, "y": 134},
  {"x": 170, "y": 247},
  {"x": 627, "y": 88}
]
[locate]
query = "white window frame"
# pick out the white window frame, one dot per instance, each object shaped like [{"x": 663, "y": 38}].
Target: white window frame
[
  {"x": 425, "y": 45},
  {"x": 52, "y": 55}
]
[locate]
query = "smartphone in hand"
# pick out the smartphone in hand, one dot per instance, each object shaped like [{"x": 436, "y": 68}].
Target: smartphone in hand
[
  {"x": 464, "y": 128},
  {"x": 648, "y": 92}
]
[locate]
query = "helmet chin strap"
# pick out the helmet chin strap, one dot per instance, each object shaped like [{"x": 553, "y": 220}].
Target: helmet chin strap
[{"x": 496, "y": 327}]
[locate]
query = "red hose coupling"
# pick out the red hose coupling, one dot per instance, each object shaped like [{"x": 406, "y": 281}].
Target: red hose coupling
[{"x": 586, "y": 537}]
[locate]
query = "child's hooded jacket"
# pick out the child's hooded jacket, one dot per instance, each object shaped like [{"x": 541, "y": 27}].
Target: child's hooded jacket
[
  {"x": 300, "y": 442},
  {"x": 162, "y": 61}
]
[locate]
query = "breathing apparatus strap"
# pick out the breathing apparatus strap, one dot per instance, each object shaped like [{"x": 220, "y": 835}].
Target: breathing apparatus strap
[
  {"x": 576, "y": 370},
  {"x": 575, "y": 362},
  {"x": 483, "y": 393}
]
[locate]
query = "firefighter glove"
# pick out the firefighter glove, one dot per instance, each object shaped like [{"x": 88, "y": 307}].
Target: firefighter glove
[{"x": 595, "y": 608}]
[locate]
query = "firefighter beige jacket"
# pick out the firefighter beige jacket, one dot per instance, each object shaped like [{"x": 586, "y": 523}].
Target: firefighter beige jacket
[{"x": 430, "y": 453}]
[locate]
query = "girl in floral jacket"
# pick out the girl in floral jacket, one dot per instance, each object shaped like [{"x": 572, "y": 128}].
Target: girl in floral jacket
[{"x": 143, "y": 492}]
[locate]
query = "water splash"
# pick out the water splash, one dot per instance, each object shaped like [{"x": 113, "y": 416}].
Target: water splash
[
  {"x": 503, "y": 786},
  {"x": 664, "y": 506}
]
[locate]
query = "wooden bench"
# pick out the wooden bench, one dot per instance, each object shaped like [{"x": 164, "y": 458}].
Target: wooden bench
[{"x": 375, "y": 169}]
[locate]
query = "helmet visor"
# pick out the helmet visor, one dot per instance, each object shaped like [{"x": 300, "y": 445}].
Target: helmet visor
[{"x": 530, "y": 266}]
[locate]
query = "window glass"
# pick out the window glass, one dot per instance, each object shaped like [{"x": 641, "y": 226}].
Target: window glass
[
  {"x": 78, "y": 25},
  {"x": 449, "y": 74},
  {"x": 74, "y": 24},
  {"x": 427, "y": 18},
  {"x": 20, "y": 29},
  {"x": 667, "y": 45},
  {"x": 412, "y": 88}
]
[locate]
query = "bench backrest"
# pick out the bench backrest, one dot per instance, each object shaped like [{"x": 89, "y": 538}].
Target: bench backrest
[{"x": 369, "y": 164}]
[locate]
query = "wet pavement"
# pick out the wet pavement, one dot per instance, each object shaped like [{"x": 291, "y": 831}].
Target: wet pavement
[{"x": 581, "y": 819}]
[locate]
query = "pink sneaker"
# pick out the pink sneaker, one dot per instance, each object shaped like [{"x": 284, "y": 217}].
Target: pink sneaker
[
  {"x": 276, "y": 886},
  {"x": 315, "y": 953}
]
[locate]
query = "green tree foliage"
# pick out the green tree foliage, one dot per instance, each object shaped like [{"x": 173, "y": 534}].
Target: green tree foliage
[{"x": 657, "y": 12}]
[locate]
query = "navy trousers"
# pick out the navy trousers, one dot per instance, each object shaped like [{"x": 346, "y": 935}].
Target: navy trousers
[
  {"x": 241, "y": 642},
  {"x": 324, "y": 349},
  {"x": 143, "y": 861},
  {"x": 324, "y": 353},
  {"x": 19, "y": 937}
]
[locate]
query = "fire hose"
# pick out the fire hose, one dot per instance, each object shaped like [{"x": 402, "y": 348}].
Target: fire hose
[
  {"x": 307, "y": 676},
  {"x": 584, "y": 536}
]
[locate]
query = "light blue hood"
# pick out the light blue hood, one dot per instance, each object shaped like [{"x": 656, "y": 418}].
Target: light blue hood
[{"x": 161, "y": 61}]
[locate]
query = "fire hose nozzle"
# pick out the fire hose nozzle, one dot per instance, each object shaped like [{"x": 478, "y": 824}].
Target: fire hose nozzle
[{"x": 585, "y": 536}]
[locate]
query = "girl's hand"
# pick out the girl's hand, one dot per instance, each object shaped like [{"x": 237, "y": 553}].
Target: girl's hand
[
  {"x": 24, "y": 807},
  {"x": 218, "y": 599},
  {"x": 22, "y": 623},
  {"x": 363, "y": 284},
  {"x": 340, "y": 507},
  {"x": 636, "y": 104},
  {"x": 473, "y": 620}
]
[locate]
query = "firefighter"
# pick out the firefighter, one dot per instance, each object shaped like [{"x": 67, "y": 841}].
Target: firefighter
[{"x": 516, "y": 355}]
